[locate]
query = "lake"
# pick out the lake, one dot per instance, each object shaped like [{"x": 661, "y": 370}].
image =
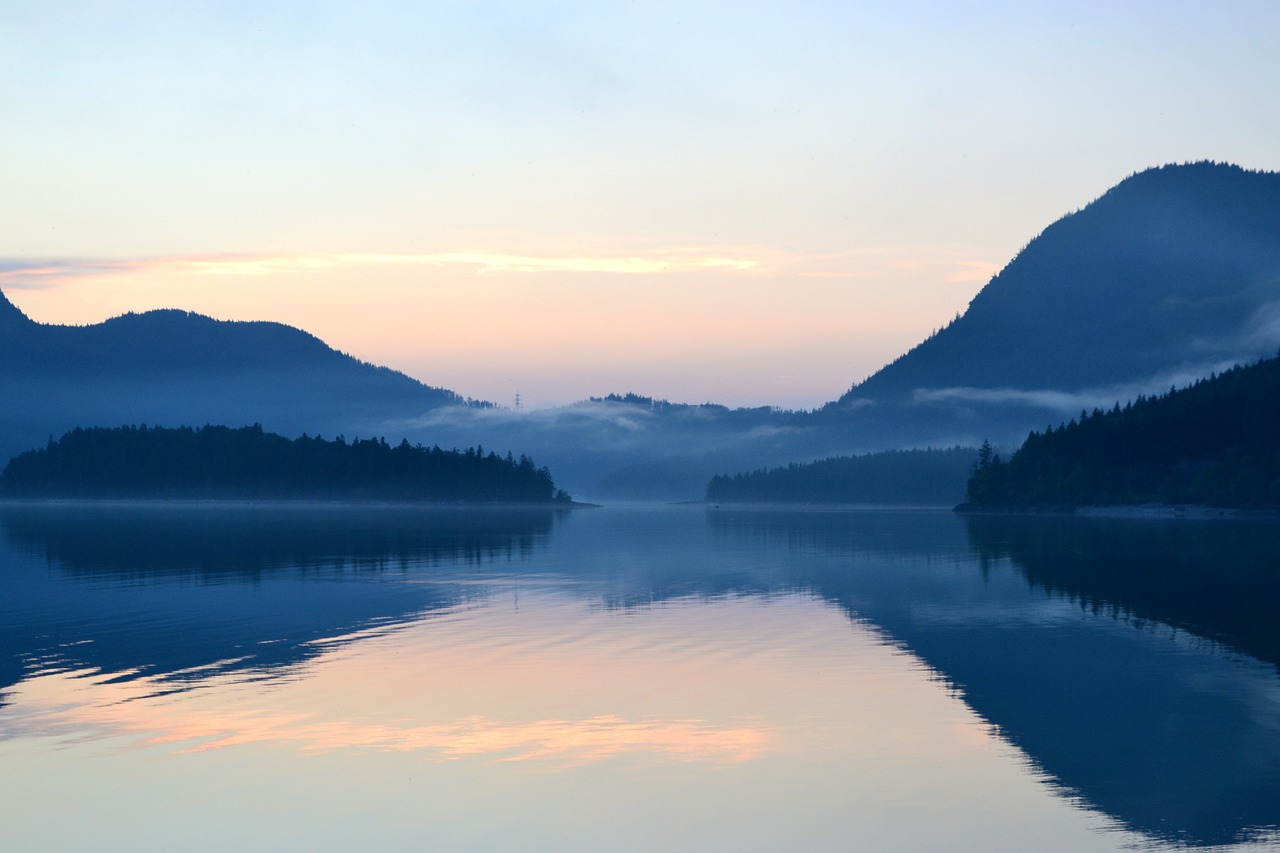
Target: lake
[{"x": 634, "y": 678}]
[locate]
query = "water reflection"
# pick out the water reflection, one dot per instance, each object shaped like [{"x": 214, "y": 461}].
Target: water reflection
[
  {"x": 188, "y": 592},
  {"x": 56, "y": 706},
  {"x": 1182, "y": 745},
  {"x": 1219, "y": 580},
  {"x": 1133, "y": 663},
  {"x": 1080, "y": 656},
  {"x": 237, "y": 540}
]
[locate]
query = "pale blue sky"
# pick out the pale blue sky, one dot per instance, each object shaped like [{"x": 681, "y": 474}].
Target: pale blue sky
[{"x": 749, "y": 203}]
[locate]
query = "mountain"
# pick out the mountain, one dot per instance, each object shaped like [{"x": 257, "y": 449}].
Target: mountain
[
  {"x": 176, "y": 368},
  {"x": 1171, "y": 274},
  {"x": 11, "y": 318}
]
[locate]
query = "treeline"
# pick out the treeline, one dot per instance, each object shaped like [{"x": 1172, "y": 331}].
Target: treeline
[
  {"x": 919, "y": 477},
  {"x": 1214, "y": 443},
  {"x": 247, "y": 462}
]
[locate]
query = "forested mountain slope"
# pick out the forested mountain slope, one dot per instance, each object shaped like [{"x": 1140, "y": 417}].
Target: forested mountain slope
[{"x": 1215, "y": 443}]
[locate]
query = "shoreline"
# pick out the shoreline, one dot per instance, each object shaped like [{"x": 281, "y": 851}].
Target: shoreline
[
  {"x": 279, "y": 503},
  {"x": 1151, "y": 511},
  {"x": 818, "y": 506}
]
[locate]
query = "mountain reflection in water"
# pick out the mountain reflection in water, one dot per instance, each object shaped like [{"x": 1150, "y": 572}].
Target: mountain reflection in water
[
  {"x": 1216, "y": 579},
  {"x": 1130, "y": 703},
  {"x": 196, "y": 568},
  {"x": 1132, "y": 662},
  {"x": 212, "y": 539}
]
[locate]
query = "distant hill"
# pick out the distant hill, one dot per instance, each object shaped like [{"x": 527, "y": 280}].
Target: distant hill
[
  {"x": 1214, "y": 443},
  {"x": 1171, "y": 274},
  {"x": 220, "y": 462},
  {"x": 893, "y": 477},
  {"x": 175, "y": 367}
]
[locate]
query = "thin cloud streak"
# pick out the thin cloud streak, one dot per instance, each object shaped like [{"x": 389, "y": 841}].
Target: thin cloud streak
[
  {"x": 19, "y": 274},
  {"x": 948, "y": 265}
]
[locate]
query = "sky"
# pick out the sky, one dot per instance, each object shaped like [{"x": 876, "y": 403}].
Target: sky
[{"x": 743, "y": 203}]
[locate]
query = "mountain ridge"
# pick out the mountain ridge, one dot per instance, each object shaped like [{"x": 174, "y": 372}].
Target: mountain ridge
[
  {"x": 171, "y": 367},
  {"x": 1187, "y": 257},
  {"x": 11, "y": 317},
  {"x": 1167, "y": 276}
]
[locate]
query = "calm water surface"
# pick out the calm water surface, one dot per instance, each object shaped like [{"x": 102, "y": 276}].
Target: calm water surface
[{"x": 634, "y": 678}]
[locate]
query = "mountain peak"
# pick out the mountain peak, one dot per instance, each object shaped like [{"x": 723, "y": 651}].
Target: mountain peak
[
  {"x": 1175, "y": 270},
  {"x": 174, "y": 367},
  {"x": 11, "y": 317}
]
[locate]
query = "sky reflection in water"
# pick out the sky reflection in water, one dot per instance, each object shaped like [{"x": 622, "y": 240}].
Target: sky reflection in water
[{"x": 631, "y": 678}]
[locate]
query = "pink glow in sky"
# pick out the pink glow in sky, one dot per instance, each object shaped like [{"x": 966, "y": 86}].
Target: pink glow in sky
[
  {"x": 718, "y": 326},
  {"x": 748, "y": 204}
]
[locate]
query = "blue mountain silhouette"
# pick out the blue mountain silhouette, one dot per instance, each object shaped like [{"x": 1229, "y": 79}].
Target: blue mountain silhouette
[{"x": 174, "y": 367}]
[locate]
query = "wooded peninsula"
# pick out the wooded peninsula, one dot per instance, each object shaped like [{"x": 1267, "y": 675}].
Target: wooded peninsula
[{"x": 220, "y": 462}]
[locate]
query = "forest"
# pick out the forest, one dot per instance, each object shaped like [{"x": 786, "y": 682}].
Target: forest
[
  {"x": 248, "y": 462},
  {"x": 1213, "y": 443},
  {"x": 915, "y": 477}
]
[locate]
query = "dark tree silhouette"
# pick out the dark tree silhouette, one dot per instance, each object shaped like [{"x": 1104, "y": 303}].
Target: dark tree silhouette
[
  {"x": 221, "y": 462},
  {"x": 1214, "y": 443},
  {"x": 925, "y": 477}
]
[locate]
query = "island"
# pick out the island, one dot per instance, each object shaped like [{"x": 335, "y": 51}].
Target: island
[{"x": 221, "y": 462}]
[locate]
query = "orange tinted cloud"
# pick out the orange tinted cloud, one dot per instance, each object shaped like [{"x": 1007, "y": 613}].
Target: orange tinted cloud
[
  {"x": 943, "y": 263},
  {"x": 19, "y": 274},
  {"x": 739, "y": 325}
]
